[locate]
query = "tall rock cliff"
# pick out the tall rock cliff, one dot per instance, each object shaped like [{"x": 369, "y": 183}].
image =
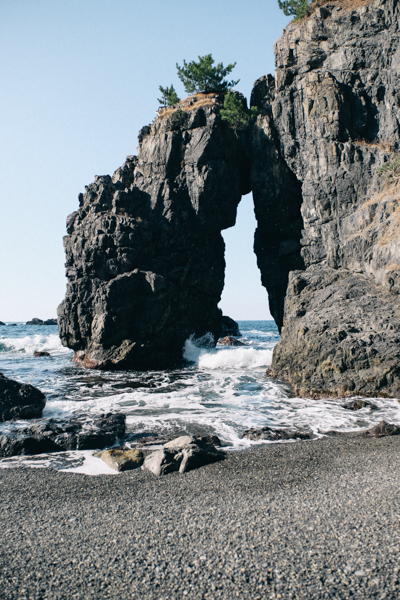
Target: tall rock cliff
[
  {"x": 333, "y": 112},
  {"x": 145, "y": 255}
]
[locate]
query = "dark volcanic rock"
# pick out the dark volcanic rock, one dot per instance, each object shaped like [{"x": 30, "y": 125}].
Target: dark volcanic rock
[
  {"x": 381, "y": 430},
  {"x": 56, "y": 436},
  {"x": 145, "y": 255},
  {"x": 40, "y": 353},
  {"x": 358, "y": 403},
  {"x": 274, "y": 435},
  {"x": 35, "y": 321},
  {"x": 331, "y": 119},
  {"x": 229, "y": 327},
  {"x": 1, "y": 323},
  {"x": 230, "y": 341},
  {"x": 20, "y": 400}
]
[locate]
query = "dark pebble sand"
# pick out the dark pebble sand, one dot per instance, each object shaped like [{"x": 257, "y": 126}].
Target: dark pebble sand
[{"x": 306, "y": 520}]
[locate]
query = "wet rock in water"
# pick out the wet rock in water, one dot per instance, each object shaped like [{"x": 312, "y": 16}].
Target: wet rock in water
[
  {"x": 230, "y": 341},
  {"x": 40, "y": 353},
  {"x": 81, "y": 433},
  {"x": 382, "y": 429},
  {"x": 50, "y": 322},
  {"x": 35, "y": 321},
  {"x": 20, "y": 400},
  {"x": 184, "y": 454},
  {"x": 229, "y": 327},
  {"x": 268, "y": 433},
  {"x": 1, "y": 323},
  {"x": 358, "y": 403},
  {"x": 121, "y": 460}
]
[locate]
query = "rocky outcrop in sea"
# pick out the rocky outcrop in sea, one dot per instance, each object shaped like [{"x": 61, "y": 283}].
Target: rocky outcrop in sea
[{"x": 145, "y": 256}]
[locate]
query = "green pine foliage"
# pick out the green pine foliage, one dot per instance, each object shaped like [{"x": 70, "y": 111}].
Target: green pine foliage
[
  {"x": 235, "y": 113},
  {"x": 169, "y": 96},
  {"x": 391, "y": 170},
  {"x": 298, "y": 8},
  {"x": 205, "y": 76}
]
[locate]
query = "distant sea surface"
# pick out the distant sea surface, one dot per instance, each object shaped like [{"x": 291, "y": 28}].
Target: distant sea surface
[{"x": 221, "y": 391}]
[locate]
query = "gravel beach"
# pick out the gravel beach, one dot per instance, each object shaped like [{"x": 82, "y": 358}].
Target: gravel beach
[{"x": 308, "y": 520}]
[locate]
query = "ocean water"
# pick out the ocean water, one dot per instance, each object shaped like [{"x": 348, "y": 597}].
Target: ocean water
[{"x": 220, "y": 391}]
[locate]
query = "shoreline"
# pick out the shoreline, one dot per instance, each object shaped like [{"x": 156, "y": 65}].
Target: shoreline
[{"x": 300, "y": 520}]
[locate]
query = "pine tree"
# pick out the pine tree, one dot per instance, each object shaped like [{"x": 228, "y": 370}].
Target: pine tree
[
  {"x": 203, "y": 76},
  {"x": 298, "y": 8},
  {"x": 235, "y": 112},
  {"x": 169, "y": 96}
]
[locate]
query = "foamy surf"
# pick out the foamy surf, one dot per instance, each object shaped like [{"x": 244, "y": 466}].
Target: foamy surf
[
  {"x": 34, "y": 343},
  {"x": 221, "y": 391},
  {"x": 243, "y": 357}
]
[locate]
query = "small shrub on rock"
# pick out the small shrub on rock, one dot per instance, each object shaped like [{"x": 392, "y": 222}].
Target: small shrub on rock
[
  {"x": 390, "y": 171},
  {"x": 176, "y": 120}
]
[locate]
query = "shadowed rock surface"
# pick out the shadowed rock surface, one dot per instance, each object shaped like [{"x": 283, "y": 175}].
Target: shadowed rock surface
[
  {"x": 229, "y": 327},
  {"x": 19, "y": 400}
]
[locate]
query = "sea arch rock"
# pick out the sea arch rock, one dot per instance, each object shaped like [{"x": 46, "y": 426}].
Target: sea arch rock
[{"x": 145, "y": 255}]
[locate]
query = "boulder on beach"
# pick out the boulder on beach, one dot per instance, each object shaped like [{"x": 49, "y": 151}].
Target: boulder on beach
[
  {"x": 20, "y": 400},
  {"x": 274, "y": 435},
  {"x": 230, "y": 341},
  {"x": 382, "y": 429},
  {"x": 121, "y": 460},
  {"x": 184, "y": 454},
  {"x": 81, "y": 433}
]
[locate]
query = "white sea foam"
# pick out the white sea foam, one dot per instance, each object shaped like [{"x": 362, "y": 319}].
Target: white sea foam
[
  {"x": 226, "y": 358},
  {"x": 32, "y": 343}
]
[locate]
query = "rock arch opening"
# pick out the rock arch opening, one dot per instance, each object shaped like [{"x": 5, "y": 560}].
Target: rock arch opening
[{"x": 243, "y": 297}]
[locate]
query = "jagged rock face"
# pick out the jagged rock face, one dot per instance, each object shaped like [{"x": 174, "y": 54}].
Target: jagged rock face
[
  {"x": 145, "y": 255},
  {"x": 334, "y": 116}
]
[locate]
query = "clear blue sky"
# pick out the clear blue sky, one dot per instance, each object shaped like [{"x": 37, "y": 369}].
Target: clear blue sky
[{"x": 79, "y": 79}]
